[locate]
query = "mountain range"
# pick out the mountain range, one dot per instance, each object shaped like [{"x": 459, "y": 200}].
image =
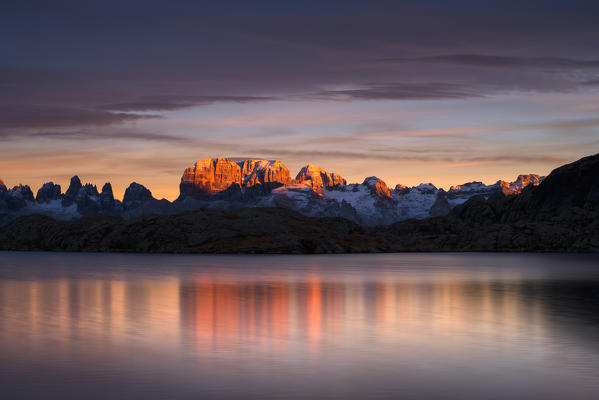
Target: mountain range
[
  {"x": 225, "y": 184},
  {"x": 560, "y": 214}
]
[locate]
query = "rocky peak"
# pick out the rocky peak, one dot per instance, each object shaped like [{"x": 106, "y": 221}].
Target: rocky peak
[
  {"x": 16, "y": 198},
  {"x": 264, "y": 171},
  {"x": 106, "y": 196},
  {"x": 318, "y": 179},
  {"x": 441, "y": 205},
  {"x": 74, "y": 187},
  {"x": 22, "y": 191},
  {"x": 524, "y": 180},
  {"x": 107, "y": 190},
  {"x": 468, "y": 187},
  {"x": 2, "y": 186},
  {"x": 136, "y": 195},
  {"x": 377, "y": 187},
  {"x": 426, "y": 187},
  {"x": 48, "y": 192},
  {"x": 210, "y": 176},
  {"x": 71, "y": 193},
  {"x": 88, "y": 190}
]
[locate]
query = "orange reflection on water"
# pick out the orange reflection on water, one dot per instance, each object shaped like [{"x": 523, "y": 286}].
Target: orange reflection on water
[{"x": 212, "y": 314}]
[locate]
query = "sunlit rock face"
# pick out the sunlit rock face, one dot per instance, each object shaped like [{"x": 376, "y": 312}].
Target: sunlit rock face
[
  {"x": 48, "y": 192},
  {"x": 377, "y": 187},
  {"x": 212, "y": 176},
  {"x": 264, "y": 171},
  {"x": 520, "y": 183},
  {"x": 318, "y": 179}
]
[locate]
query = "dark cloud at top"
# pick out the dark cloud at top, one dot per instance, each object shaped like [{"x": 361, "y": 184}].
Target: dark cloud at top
[
  {"x": 47, "y": 116},
  {"x": 72, "y": 63}
]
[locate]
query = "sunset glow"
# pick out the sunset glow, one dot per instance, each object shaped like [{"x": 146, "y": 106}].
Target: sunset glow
[{"x": 387, "y": 98}]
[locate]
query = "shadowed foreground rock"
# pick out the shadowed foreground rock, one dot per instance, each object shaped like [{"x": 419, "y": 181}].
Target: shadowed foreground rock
[{"x": 256, "y": 230}]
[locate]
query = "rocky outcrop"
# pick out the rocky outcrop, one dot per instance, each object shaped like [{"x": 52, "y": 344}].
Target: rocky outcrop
[
  {"x": 107, "y": 202},
  {"x": 48, "y": 192},
  {"x": 71, "y": 193},
  {"x": 318, "y": 179},
  {"x": 138, "y": 201},
  {"x": 17, "y": 198},
  {"x": 210, "y": 176},
  {"x": 377, "y": 187},
  {"x": 229, "y": 179},
  {"x": 262, "y": 172},
  {"x": 441, "y": 205},
  {"x": 12, "y": 201},
  {"x": 87, "y": 199},
  {"x": 250, "y": 230},
  {"x": 416, "y": 201},
  {"x": 523, "y": 181},
  {"x": 135, "y": 196},
  {"x": 24, "y": 191},
  {"x": 303, "y": 199}
]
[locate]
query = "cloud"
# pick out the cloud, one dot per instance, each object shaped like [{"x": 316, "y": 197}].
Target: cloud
[
  {"x": 48, "y": 116},
  {"x": 403, "y": 91},
  {"x": 441, "y": 156},
  {"x": 494, "y": 61},
  {"x": 96, "y": 135},
  {"x": 170, "y": 103}
]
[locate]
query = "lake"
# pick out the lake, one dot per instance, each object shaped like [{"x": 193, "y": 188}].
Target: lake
[{"x": 411, "y": 326}]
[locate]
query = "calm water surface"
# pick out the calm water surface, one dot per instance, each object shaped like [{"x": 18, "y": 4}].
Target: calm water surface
[{"x": 413, "y": 326}]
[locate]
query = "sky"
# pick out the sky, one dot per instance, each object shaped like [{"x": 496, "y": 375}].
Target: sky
[{"x": 409, "y": 91}]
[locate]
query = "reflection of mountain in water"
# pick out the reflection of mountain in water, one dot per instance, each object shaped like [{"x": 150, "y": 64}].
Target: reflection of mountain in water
[
  {"x": 213, "y": 313},
  {"x": 467, "y": 325},
  {"x": 224, "y": 313}
]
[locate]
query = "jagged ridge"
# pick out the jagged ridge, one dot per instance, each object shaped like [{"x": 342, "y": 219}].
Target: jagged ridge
[
  {"x": 225, "y": 184},
  {"x": 560, "y": 214}
]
